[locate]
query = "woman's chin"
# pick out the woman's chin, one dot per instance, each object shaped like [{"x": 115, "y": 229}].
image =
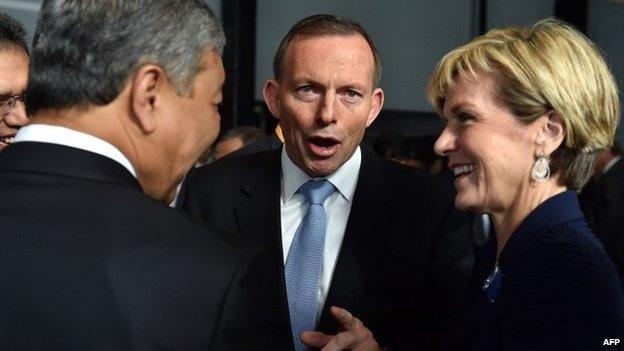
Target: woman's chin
[{"x": 463, "y": 203}]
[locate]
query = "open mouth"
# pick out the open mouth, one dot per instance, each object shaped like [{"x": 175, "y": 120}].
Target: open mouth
[
  {"x": 323, "y": 147},
  {"x": 7, "y": 139},
  {"x": 462, "y": 170}
]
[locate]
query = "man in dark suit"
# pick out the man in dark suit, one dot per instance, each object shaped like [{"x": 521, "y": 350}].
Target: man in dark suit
[
  {"x": 602, "y": 200},
  {"x": 344, "y": 227},
  {"x": 124, "y": 97}
]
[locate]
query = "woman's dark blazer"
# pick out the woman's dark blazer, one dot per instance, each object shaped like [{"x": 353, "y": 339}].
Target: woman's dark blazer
[{"x": 558, "y": 290}]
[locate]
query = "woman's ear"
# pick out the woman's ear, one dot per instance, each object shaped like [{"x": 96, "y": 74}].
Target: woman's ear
[
  {"x": 145, "y": 95},
  {"x": 551, "y": 132}
]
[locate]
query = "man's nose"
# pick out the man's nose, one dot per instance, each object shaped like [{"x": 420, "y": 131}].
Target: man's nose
[{"x": 327, "y": 112}]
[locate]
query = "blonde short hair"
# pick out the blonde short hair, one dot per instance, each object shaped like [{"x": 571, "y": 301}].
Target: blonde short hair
[{"x": 550, "y": 67}]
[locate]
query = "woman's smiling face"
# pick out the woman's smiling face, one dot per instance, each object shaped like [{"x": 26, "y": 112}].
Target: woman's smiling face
[{"x": 490, "y": 151}]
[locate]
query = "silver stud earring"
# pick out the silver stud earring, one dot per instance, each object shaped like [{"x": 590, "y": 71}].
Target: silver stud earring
[{"x": 541, "y": 168}]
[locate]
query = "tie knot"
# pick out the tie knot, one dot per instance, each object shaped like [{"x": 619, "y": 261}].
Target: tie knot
[{"x": 317, "y": 191}]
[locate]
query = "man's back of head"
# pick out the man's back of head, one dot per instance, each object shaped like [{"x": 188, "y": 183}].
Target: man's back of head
[
  {"x": 124, "y": 96},
  {"x": 145, "y": 74}
]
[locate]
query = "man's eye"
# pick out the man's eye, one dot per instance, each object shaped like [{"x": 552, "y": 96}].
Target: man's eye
[
  {"x": 352, "y": 93},
  {"x": 305, "y": 89}
]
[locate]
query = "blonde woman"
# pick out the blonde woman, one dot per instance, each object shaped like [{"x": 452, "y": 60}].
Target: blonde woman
[{"x": 526, "y": 112}]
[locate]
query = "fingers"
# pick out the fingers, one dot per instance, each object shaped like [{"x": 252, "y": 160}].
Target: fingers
[
  {"x": 315, "y": 339},
  {"x": 354, "y": 335},
  {"x": 340, "y": 341},
  {"x": 345, "y": 320},
  {"x": 350, "y": 340}
]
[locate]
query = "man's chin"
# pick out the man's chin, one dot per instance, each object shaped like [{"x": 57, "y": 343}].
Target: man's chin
[{"x": 321, "y": 168}]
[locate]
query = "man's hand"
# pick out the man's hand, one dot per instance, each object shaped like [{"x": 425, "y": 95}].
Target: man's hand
[{"x": 353, "y": 336}]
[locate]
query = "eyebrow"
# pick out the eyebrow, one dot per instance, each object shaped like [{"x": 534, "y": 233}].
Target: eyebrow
[
  {"x": 356, "y": 87},
  {"x": 460, "y": 105},
  {"x": 5, "y": 95},
  {"x": 307, "y": 80}
]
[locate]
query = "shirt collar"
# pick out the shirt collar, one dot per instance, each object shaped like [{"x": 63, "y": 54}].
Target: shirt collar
[
  {"x": 344, "y": 178},
  {"x": 44, "y": 133},
  {"x": 558, "y": 209}
]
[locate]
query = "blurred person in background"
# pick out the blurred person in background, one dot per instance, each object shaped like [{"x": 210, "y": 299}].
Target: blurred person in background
[
  {"x": 235, "y": 139},
  {"x": 231, "y": 142},
  {"x": 13, "y": 78},
  {"x": 273, "y": 141},
  {"x": 602, "y": 200},
  {"x": 389, "y": 146},
  {"x": 413, "y": 151}
]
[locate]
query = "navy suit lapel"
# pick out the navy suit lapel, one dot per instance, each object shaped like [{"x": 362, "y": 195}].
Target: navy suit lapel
[{"x": 360, "y": 244}]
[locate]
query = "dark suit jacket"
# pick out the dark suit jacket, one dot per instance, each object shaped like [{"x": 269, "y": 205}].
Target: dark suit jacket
[
  {"x": 559, "y": 290},
  {"x": 271, "y": 142},
  {"x": 405, "y": 254},
  {"x": 602, "y": 201},
  {"x": 88, "y": 262}
]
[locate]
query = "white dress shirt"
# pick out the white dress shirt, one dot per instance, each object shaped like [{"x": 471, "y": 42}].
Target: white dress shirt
[
  {"x": 294, "y": 206},
  {"x": 44, "y": 133}
]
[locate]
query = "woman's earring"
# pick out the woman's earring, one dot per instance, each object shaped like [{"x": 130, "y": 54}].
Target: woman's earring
[{"x": 541, "y": 168}]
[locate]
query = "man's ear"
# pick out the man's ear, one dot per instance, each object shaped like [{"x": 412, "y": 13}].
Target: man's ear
[
  {"x": 146, "y": 90},
  {"x": 376, "y": 105},
  {"x": 551, "y": 132},
  {"x": 270, "y": 92}
]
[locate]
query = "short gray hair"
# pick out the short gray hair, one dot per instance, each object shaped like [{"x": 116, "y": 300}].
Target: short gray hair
[{"x": 84, "y": 51}]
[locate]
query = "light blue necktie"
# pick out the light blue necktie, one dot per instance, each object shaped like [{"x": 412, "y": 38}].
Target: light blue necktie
[{"x": 305, "y": 260}]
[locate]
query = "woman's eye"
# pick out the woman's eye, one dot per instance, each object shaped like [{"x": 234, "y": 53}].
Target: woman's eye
[{"x": 465, "y": 118}]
